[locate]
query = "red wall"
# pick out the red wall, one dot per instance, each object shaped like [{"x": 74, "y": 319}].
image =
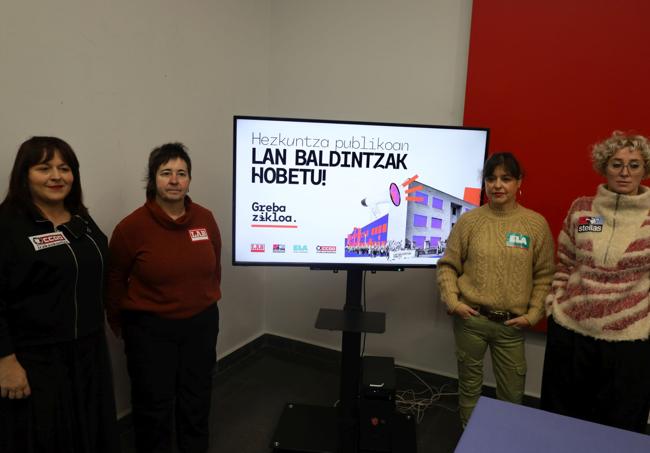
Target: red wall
[{"x": 552, "y": 77}]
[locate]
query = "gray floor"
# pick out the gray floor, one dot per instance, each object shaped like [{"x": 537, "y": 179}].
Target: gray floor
[
  {"x": 253, "y": 385},
  {"x": 252, "y": 390}
]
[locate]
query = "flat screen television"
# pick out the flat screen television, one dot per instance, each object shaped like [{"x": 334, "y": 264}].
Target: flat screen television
[{"x": 350, "y": 194}]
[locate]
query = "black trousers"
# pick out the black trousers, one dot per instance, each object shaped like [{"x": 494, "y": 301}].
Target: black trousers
[
  {"x": 170, "y": 362},
  {"x": 600, "y": 381},
  {"x": 71, "y": 408}
]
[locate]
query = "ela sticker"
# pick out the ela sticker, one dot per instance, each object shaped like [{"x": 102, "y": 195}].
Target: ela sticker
[{"x": 517, "y": 240}]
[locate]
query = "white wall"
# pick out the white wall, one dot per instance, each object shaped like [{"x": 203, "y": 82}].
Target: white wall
[{"x": 117, "y": 78}]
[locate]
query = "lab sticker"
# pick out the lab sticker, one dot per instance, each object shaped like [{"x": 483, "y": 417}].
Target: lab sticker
[{"x": 199, "y": 234}]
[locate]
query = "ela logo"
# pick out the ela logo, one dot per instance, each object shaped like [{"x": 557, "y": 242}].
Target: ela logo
[{"x": 517, "y": 240}]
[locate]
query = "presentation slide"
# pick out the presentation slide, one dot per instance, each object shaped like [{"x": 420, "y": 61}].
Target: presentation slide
[{"x": 347, "y": 194}]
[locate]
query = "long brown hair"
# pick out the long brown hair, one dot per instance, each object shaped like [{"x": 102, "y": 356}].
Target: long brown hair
[{"x": 35, "y": 151}]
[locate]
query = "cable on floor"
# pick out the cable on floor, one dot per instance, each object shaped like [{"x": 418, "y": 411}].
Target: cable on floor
[{"x": 415, "y": 403}]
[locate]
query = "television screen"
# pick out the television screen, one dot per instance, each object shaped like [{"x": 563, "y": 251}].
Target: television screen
[{"x": 344, "y": 194}]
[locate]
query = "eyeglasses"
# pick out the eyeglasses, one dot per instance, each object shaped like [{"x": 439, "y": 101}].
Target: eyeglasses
[{"x": 634, "y": 167}]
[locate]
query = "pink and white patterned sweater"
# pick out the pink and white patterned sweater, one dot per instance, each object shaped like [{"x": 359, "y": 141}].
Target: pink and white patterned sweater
[{"x": 602, "y": 279}]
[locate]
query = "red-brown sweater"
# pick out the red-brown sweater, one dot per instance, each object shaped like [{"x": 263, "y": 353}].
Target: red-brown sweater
[{"x": 165, "y": 266}]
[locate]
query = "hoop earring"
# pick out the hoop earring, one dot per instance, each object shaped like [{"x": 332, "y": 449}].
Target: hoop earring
[{"x": 520, "y": 193}]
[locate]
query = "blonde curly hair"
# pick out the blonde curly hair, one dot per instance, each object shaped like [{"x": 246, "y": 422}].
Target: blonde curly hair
[{"x": 603, "y": 151}]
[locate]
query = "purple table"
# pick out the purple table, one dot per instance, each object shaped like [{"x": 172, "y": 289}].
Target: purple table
[{"x": 500, "y": 427}]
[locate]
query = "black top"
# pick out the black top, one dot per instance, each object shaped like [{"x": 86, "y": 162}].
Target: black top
[{"x": 51, "y": 280}]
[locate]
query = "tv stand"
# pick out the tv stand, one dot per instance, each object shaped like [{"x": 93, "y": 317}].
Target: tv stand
[
  {"x": 352, "y": 321},
  {"x": 319, "y": 429}
]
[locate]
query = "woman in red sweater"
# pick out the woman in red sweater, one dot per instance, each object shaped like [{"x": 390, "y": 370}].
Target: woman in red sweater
[{"x": 163, "y": 288}]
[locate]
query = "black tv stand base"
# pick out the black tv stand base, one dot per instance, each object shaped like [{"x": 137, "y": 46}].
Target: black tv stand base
[{"x": 314, "y": 429}]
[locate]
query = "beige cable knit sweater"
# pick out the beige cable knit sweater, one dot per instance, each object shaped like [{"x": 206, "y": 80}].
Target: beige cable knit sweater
[{"x": 501, "y": 260}]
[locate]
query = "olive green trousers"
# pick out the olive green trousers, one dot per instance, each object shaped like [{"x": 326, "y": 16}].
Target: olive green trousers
[{"x": 473, "y": 336}]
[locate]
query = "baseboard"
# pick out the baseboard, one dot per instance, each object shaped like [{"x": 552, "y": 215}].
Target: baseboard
[
  {"x": 271, "y": 341},
  {"x": 294, "y": 346}
]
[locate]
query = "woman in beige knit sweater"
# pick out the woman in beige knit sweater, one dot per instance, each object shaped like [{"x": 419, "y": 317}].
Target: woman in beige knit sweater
[
  {"x": 494, "y": 276},
  {"x": 597, "y": 360}
]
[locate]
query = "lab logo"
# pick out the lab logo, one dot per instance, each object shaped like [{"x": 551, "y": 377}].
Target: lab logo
[
  {"x": 517, "y": 240},
  {"x": 47, "y": 240},
  {"x": 258, "y": 248},
  {"x": 590, "y": 224},
  {"x": 325, "y": 249},
  {"x": 198, "y": 234},
  {"x": 278, "y": 248},
  {"x": 299, "y": 248}
]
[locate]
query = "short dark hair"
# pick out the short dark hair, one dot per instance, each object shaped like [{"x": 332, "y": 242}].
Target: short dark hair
[
  {"x": 160, "y": 156},
  {"x": 35, "y": 151},
  {"x": 507, "y": 160}
]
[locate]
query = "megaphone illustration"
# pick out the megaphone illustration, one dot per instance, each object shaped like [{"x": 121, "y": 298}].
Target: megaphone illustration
[{"x": 380, "y": 203}]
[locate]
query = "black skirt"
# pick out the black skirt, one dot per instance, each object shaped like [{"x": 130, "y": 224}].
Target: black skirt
[
  {"x": 72, "y": 405},
  {"x": 596, "y": 380}
]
